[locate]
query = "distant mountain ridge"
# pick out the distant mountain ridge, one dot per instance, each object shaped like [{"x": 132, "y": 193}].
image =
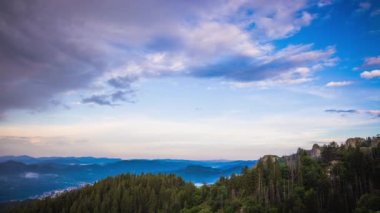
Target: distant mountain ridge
[
  {"x": 59, "y": 160},
  {"x": 22, "y": 177}
]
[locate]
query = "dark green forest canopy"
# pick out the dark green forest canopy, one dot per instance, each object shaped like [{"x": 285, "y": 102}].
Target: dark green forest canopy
[{"x": 329, "y": 178}]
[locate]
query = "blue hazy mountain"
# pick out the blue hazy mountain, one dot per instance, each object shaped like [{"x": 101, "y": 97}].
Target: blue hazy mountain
[
  {"x": 58, "y": 160},
  {"x": 23, "y": 177}
]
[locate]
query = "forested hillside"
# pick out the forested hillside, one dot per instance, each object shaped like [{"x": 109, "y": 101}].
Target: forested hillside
[
  {"x": 24, "y": 177},
  {"x": 330, "y": 178}
]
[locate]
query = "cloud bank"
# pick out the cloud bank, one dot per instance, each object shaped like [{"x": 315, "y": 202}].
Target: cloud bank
[{"x": 98, "y": 48}]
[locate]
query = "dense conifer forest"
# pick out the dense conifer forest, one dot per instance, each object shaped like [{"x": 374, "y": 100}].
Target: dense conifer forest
[{"x": 328, "y": 178}]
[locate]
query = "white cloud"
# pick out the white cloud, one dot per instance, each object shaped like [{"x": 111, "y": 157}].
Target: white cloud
[
  {"x": 338, "y": 83},
  {"x": 211, "y": 38},
  {"x": 270, "y": 83},
  {"x": 278, "y": 19},
  {"x": 370, "y": 74}
]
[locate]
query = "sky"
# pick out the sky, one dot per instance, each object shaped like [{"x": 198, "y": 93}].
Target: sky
[{"x": 201, "y": 79}]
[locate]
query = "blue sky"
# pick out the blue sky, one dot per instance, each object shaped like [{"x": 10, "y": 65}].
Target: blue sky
[{"x": 186, "y": 79}]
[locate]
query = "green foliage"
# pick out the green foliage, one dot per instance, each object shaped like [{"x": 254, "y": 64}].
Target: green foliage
[{"x": 368, "y": 203}]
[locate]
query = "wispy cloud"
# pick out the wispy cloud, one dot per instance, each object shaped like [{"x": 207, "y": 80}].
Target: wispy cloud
[
  {"x": 342, "y": 110},
  {"x": 375, "y": 12},
  {"x": 291, "y": 65},
  {"x": 98, "y": 99},
  {"x": 375, "y": 113},
  {"x": 372, "y": 61},
  {"x": 338, "y": 83},
  {"x": 323, "y": 3},
  {"x": 365, "y": 5},
  {"x": 109, "y": 99}
]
